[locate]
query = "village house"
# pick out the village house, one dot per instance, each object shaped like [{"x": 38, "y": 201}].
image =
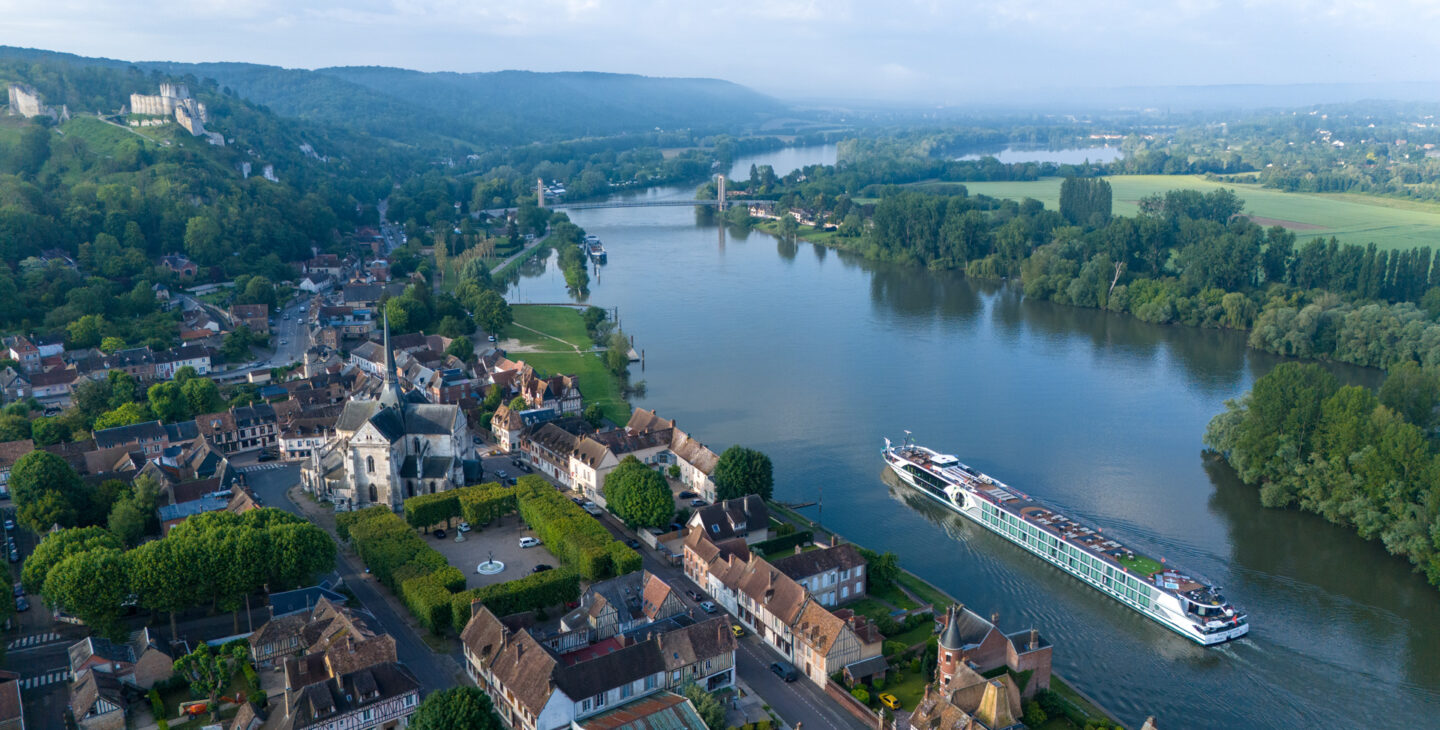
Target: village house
[
  {"x": 254, "y": 316},
  {"x": 317, "y": 283},
  {"x": 597, "y": 454},
  {"x": 325, "y": 263},
  {"x": 534, "y": 688},
  {"x": 623, "y": 603},
  {"x": 780, "y": 611},
  {"x": 12, "y": 709},
  {"x": 193, "y": 356},
  {"x": 141, "y": 662},
  {"x": 242, "y": 428},
  {"x": 833, "y": 575},
  {"x": 10, "y": 452},
  {"x": 361, "y": 295},
  {"x": 324, "y": 627},
  {"x": 747, "y": 518},
  {"x": 98, "y": 702},
  {"x": 14, "y": 385},
  {"x": 549, "y": 448},
  {"x": 20, "y": 349},
  {"x": 179, "y": 265},
  {"x": 53, "y": 386},
  {"x": 975, "y": 642},
  {"x": 696, "y": 461}
]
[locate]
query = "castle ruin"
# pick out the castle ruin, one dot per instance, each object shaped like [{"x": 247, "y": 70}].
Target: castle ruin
[
  {"x": 25, "y": 102},
  {"x": 175, "y": 101}
]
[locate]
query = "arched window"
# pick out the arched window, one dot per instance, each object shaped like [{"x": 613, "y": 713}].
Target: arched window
[
  {"x": 374, "y": 496},
  {"x": 370, "y": 464}
]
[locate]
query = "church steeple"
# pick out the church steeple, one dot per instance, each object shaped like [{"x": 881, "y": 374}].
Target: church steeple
[{"x": 390, "y": 392}]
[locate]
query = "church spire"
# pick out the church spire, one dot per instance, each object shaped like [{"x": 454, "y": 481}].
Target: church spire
[{"x": 390, "y": 392}]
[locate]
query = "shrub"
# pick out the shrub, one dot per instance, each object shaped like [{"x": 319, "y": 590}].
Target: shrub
[
  {"x": 784, "y": 543},
  {"x": 878, "y": 684},
  {"x": 428, "y": 601},
  {"x": 432, "y": 509},
  {"x": 1035, "y": 716},
  {"x": 894, "y": 649},
  {"x": 525, "y": 594},
  {"x": 859, "y": 693}
]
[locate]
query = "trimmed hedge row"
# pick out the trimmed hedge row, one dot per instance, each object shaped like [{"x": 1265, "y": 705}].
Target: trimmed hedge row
[
  {"x": 532, "y": 592},
  {"x": 402, "y": 562},
  {"x": 484, "y": 503},
  {"x": 426, "y": 510},
  {"x": 573, "y": 536},
  {"x": 783, "y": 543}
]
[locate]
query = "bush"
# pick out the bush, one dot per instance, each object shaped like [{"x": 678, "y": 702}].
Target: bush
[
  {"x": 859, "y": 693},
  {"x": 783, "y": 543},
  {"x": 878, "y": 684},
  {"x": 429, "y": 601},
  {"x": 482, "y": 504},
  {"x": 525, "y": 594},
  {"x": 894, "y": 649},
  {"x": 1035, "y": 716}
]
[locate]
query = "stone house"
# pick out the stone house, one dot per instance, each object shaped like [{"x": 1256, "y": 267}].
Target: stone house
[
  {"x": 747, "y": 518},
  {"x": 10, "y": 452},
  {"x": 98, "y": 702},
  {"x": 973, "y": 641},
  {"x": 254, "y": 316},
  {"x": 833, "y": 575},
  {"x": 179, "y": 264},
  {"x": 596, "y": 455},
  {"x": 140, "y": 663}
]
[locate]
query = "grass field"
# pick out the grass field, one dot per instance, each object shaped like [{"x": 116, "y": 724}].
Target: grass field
[
  {"x": 597, "y": 384},
  {"x": 1388, "y": 223}
]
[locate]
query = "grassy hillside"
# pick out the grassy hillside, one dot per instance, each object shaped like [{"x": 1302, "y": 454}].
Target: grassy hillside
[{"x": 1360, "y": 219}]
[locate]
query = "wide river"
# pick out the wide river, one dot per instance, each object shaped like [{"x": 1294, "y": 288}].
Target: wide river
[{"x": 814, "y": 356}]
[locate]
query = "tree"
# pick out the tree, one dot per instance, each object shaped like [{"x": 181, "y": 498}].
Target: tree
[
  {"x": 1413, "y": 393},
  {"x": 60, "y": 545},
  {"x": 883, "y": 568},
  {"x": 711, "y": 711},
  {"x": 92, "y": 586},
  {"x": 126, "y": 415},
  {"x": 298, "y": 552},
  {"x": 491, "y": 312},
  {"x": 456, "y": 707},
  {"x": 617, "y": 354},
  {"x": 477, "y": 272},
  {"x": 14, "y": 427},
  {"x": 87, "y": 331},
  {"x": 741, "y": 471},
  {"x": 131, "y": 518},
  {"x": 166, "y": 577},
  {"x": 46, "y": 491},
  {"x": 639, "y": 495},
  {"x": 201, "y": 395},
  {"x": 594, "y": 415},
  {"x": 167, "y": 402},
  {"x": 203, "y": 240},
  {"x": 210, "y": 670},
  {"x": 112, "y": 344},
  {"x": 517, "y": 404},
  {"x": 461, "y": 347}
]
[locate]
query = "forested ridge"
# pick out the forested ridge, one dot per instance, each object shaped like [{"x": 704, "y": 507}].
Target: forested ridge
[
  {"x": 115, "y": 199},
  {"x": 1358, "y": 458}
]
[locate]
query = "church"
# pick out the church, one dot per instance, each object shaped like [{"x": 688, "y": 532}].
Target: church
[{"x": 393, "y": 447}]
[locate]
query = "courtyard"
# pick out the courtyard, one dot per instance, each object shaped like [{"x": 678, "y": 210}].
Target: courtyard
[{"x": 502, "y": 539}]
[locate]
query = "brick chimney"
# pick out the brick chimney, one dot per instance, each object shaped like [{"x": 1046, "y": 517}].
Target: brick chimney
[
  {"x": 1034, "y": 639},
  {"x": 834, "y": 540}
]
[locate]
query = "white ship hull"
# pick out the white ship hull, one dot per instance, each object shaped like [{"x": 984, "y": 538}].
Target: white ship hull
[{"x": 1165, "y": 610}]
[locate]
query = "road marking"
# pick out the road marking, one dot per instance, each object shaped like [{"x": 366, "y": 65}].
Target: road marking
[
  {"x": 35, "y": 640},
  {"x": 260, "y": 467},
  {"x": 48, "y": 678}
]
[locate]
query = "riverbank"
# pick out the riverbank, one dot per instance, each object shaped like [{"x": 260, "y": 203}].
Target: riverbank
[
  {"x": 553, "y": 340},
  {"x": 938, "y": 599}
]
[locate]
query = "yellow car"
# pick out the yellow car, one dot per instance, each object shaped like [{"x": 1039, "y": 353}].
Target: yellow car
[
  {"x": 738, "y": 630},
  {"x": 889, "y": 701}
]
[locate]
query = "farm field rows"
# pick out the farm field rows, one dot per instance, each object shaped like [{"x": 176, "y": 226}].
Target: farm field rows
[{"x": 1350, "y": 218}]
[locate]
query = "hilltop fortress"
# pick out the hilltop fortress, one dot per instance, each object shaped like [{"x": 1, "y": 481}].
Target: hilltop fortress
[
  {"x": 173, "y": 100},
  {"x": 25, "y": 102}
]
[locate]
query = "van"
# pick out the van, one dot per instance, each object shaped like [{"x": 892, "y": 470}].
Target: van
[{"x": 785, "y": 671}]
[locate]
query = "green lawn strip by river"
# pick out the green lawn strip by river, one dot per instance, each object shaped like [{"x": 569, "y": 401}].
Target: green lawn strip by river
[{"x": 556, "y": 332}]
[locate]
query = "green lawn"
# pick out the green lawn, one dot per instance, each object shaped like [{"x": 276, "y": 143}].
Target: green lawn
[
  {"x": 1389, "y": 223},
  {"x": 1141, "y": 565},
  {"x": 559, "y": 322},
  {"x": 869, "y": 608},
  {"x": 896, "y": 597},
  {"x": 925, "y": 591},
  {"x": 597, "y": 385},
  {"x": 908, "y": 690}
]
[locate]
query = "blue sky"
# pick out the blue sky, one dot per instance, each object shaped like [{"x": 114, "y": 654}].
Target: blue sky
[{"x": 926, "y": 52}]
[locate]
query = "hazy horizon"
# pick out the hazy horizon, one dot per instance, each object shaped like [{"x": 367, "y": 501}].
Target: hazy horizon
[{"x": 919, "y": 52}]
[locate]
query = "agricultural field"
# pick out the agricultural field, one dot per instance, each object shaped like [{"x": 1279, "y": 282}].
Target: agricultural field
[{"x": 1388, "y": 223}]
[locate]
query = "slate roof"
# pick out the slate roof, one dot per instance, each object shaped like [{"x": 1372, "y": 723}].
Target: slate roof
[
  {"x": 355, "y": 414},
  {"x": 664, "y": 711},
  {"x": 814, "y": 562},
  {"x": 429, "y": 419},
  {"x": 184, "y": 352},
  {"x": 733, "y": 517},
  {"x": 134, "y": 433},
  {"x": 642, "y": 420},
  {"x": 182, "y": 431},
  {"x": 346, "y": 693},
  {"x": 693, "y": 452},
  {"x": 286, "y": 603},
  {"x": 10, "y": 451},
  {"x": 964, "y": 628},
  {"x": 517, "y": 661}
]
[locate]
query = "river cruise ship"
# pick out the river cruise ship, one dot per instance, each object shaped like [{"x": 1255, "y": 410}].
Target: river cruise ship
[
  {"x": 595, "y": 249},
  {"x": 1186, "y": 605}
]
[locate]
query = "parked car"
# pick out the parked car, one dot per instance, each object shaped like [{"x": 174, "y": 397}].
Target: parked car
[
  {"x": 708, "y": 607},
  {"x": 697, "y": 503},
  {"x": 21, "y": 604},
  {"x": 14, "y": 555},
  {"x": 502, "y": 474},
  {"x": 9, "y": 525},
  {"x": 737, "y": 630},
  {"x": 785, "y": 671},
  {"x": 516, "y": 462},
  {"x": 510, "y": 481},
  {"x": 463, "y": 527},
  {"x": 439, "y": 534},
  {"x": 687, "y": 494},
  {"x": 694, "y": 595},
  {"x": 529, "y": 542},
  {"x": 492, "y": 338},
  {"x": 633, "y": 544},
  {"x": 19, "y": 590},
  {"x": 541, "y": 568},
  {"x": 578, "y": 501},
  {"x": 889, "y": 701},
  {"x": 591, "y": 507}
]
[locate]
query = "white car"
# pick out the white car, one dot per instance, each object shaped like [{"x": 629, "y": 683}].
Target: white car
[
  {"x": 529, "y": 542},
  {"x": 464, "y": 527}
]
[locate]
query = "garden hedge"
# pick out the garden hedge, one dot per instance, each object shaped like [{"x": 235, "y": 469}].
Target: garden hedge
[
  {"x": 532, "y": 592},
  {"x": 427, "y": 510},
  {"x": 482, "y": 504}
]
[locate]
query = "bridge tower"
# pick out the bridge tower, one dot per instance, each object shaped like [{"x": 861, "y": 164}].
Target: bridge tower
[
  {"x": 721, "y": 196},
  {"x": 539, "y": 192}
]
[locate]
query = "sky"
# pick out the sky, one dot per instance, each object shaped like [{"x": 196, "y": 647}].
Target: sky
[{"x": 927, "y": 52}]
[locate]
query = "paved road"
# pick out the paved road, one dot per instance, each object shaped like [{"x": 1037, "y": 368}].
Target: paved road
[{"x": 435, "y": 671}]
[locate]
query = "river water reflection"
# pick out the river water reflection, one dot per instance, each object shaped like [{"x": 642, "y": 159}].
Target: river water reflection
[{"x": 814, "y": 356}]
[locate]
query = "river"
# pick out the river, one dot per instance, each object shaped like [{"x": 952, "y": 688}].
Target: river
[{"x": 814, "y": 356}]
